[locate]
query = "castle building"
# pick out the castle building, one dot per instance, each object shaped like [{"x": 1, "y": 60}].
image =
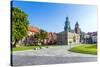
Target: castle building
[
  {"x": 62, "y": 38},
  {"x": 77, "y": 29},
  {"x": 68, "y": 35},
  {"x": 90, "y": 38}
]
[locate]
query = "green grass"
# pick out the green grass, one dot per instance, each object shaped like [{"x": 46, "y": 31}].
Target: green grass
[
  {"x": 21, "y": 48},
  {"x": 86, "y": 49}
]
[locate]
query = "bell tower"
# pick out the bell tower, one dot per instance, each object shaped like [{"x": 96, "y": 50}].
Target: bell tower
[
  {"x": 77, "y": 29},
  {"x": 66, "y": 30},
  {"x": 67, "y": 25}
]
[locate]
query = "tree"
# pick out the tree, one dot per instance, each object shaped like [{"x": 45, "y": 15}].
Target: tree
[
  {"x": 19, "y": 25},
  {"x": 41, "y": 35}
]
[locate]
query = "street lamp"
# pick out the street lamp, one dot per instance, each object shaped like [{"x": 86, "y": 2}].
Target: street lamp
[{"x": 70, "y": 42}]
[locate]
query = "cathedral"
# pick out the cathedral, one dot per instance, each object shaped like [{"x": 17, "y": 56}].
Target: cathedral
[
  {"x": 62, "y": 38},
  {"x": 69, "y": 35}
]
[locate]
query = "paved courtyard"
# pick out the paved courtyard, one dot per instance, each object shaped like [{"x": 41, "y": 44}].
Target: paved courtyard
[{"x": 50, "y": 55}]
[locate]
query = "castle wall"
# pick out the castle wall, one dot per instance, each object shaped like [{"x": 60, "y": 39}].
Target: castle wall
[
  {"x": 73, "y": 38},
  {"x": 65, "y": 39}
]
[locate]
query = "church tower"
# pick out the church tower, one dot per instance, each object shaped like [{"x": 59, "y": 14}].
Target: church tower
[
  {"x": 66, "y": 30},
  {"x": 77, "y": 29},
  {"x": 67, "y": 25}
]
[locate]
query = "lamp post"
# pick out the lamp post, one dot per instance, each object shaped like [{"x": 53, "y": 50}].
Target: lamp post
[{"x": 70, "y": 42}]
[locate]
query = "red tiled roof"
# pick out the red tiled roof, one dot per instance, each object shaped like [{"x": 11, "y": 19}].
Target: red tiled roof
[{"x": 33, "y": 29}]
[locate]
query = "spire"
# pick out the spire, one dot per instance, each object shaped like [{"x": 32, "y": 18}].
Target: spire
[
  {"x": 67, "y": 18},
  {"x": 77, "y": 25},
  {"x": 77, "y": 29},
  {"x": 67, "y": 25}
]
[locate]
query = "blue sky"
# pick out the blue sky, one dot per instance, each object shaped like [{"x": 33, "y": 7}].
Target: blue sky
[{"x": 51, "y": 16}]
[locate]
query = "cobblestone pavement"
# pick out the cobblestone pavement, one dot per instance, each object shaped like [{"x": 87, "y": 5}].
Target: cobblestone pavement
[{"x": 50, "y": 55}]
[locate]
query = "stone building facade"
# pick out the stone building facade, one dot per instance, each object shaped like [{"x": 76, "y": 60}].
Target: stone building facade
[
  {"x": 29, "y": 39},
  {"x": 62, "y": 38},
  {"x": 52, "y": 37},
  {"x": 90, "y": 38},
  {"x": 68, "y": 35}
]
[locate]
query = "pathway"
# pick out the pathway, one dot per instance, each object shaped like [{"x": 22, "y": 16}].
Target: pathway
[{"x": 51, "y": 55}]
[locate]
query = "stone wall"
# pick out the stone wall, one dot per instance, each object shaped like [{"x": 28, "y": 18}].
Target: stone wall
[{"x": 65, "y": 39}]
